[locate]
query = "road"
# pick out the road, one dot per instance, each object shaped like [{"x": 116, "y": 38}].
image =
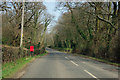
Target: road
[{"x": 64, "y": 65}]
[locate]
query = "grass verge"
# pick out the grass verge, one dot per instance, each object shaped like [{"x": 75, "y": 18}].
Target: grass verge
[
  {"x": 9, "y": 69},
  {"x": 100, "y": 60}
]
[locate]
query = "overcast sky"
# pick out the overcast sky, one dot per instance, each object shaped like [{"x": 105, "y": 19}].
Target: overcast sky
[{"x": 51, "y": 10}]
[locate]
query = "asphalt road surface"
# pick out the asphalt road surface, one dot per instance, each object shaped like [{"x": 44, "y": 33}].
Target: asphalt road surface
[{"x": 64, "y": 65}]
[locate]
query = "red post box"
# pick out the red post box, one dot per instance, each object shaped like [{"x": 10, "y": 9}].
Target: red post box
[{"x": 31, "y": 48}]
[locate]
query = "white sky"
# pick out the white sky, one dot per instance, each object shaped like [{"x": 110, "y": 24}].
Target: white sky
[{"x": 51, "y": 10}]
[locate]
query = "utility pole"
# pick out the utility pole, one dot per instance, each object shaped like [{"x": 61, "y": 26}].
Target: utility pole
[{"x": 22, "y": 24}]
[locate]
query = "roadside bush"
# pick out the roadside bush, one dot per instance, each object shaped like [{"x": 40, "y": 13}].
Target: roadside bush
[
  {"x": 114, "y": 50},
  {"x": 11, "y": 54}
]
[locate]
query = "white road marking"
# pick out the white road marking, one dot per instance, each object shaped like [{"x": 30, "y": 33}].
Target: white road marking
[
  {"x": 74, "y": 63},
  {"x": 91, "y": 74},
  {"x": 66, "y": 57}
]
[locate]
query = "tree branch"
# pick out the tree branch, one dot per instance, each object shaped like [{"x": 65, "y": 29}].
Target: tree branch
[{"x": 106, "y": 21}]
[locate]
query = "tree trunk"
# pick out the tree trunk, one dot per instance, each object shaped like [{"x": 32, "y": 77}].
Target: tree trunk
[
  {"x": 118, "y": 51},
  {"x": 114, "y": 20}
]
